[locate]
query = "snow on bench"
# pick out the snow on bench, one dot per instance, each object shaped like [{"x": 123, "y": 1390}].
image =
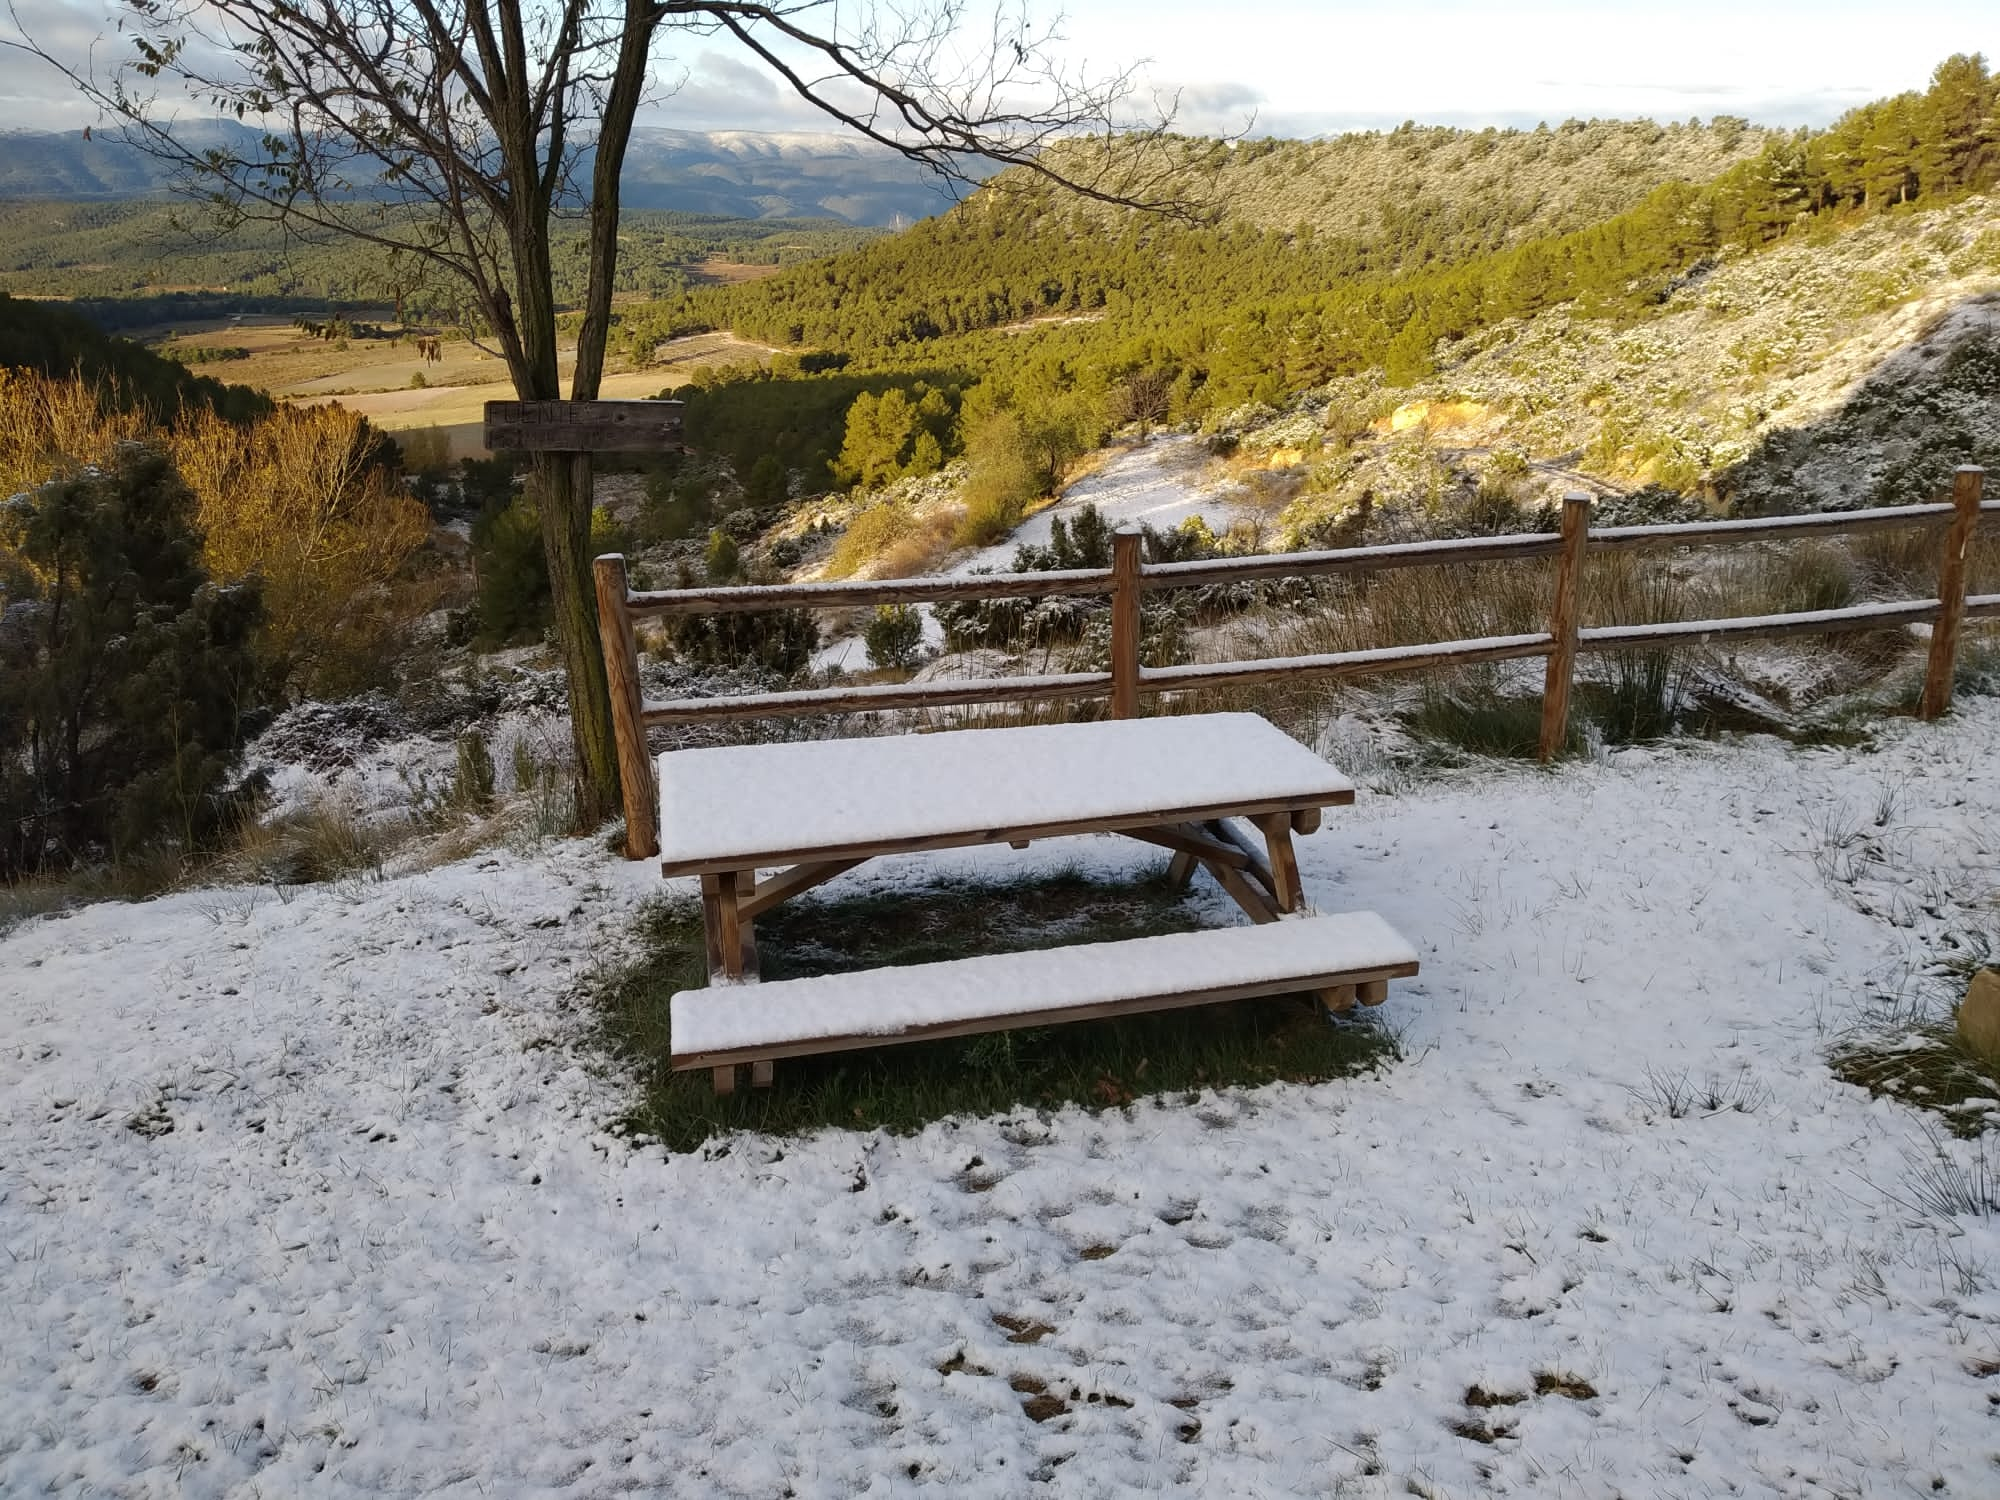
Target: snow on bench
[{"x": 735, "y": 1023}]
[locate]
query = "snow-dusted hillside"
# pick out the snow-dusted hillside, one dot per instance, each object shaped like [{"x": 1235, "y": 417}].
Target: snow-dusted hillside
[
  {"x": 1827, "y": 371},
  {"x": 1161, "y": 482},
  {"x": 317, "y": 1194}
]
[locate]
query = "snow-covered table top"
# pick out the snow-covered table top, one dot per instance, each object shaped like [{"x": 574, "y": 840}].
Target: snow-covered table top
[{"x": 742, "y": 806}]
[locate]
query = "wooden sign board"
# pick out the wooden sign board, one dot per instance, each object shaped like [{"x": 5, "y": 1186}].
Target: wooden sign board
[{"x": 583, "y": 426}]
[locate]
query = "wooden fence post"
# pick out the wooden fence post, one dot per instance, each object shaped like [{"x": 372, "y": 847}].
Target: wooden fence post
[
  {"x": 1966, "y": 487},
  {"x": 1564, "y": 622},
  {"x": 1125, "y": 623},
  {"x": 621, "y": 673}
]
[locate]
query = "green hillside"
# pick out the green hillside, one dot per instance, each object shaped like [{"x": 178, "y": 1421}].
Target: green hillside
[
  {"x": 1389, "y": 259},
  {"x": 142, "y": 261},
  {"x": 1270, "y": 219},
  {"x": 53, "y": 339}
]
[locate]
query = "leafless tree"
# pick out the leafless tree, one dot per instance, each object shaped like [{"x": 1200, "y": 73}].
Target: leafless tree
[
  {"x": 452, "y": 132},
  {"x": 1144, "y": 397}
]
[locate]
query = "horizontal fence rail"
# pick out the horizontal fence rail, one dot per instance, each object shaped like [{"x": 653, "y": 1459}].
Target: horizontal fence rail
[
  {"x": 752, "y": 598},
  {"x": 894, "y": 695},
  {"x": 1128, "y": 579}
]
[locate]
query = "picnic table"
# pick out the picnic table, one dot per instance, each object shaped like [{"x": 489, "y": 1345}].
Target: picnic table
[{"x": 1222, "y": 792}]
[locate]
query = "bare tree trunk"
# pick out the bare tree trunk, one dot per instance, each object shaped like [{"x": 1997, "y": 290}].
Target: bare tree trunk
[
  {"x": 429, "y": 130},
  {"x": 562, "y": 496},
  {"x": 571, "y": 585},
  {"x": 564, "y": 500}
]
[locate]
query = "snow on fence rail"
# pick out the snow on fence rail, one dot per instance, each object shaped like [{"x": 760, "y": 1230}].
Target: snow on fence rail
[{"x": 1128, "y": 579}]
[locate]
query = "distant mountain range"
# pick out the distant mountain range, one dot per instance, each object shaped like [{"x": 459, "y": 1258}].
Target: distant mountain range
[{"x": 732, "y": 173}]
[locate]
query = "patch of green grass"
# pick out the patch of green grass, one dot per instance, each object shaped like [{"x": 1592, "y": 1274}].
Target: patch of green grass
[
  {"x": 1917, "y": 1057},
  {"x": 1475, "y": 718},
  {"x": 1096, "y": 1064},
  {"x": 1644, "y": 698},
  {"x": 1925, "y": 1067}
]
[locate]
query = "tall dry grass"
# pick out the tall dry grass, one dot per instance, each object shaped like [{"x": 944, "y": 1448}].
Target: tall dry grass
[
  {"x": 53, "y": 426},
  {"x": 891, "y": 540},
  {"x": 301, "y": 497}
]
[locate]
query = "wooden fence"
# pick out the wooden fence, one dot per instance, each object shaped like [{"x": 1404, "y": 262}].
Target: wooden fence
[{"x": 1128, "y": 579}]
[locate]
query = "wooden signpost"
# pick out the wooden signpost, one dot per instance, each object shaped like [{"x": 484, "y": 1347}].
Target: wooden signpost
[{"x": 583, "y": 426}]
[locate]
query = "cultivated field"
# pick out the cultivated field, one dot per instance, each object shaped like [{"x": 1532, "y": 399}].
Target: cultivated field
[{"x": 378, "y": 377}]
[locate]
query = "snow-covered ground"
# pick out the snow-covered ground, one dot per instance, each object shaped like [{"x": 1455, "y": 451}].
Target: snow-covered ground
[
  {"x": 1160, "y": 482},
  {"x": 315, "y": 1195}
]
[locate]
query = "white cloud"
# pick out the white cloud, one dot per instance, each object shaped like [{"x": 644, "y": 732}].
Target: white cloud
[{"x": 1312, "y": 66}]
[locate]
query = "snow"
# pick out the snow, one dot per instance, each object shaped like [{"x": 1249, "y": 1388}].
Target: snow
[
  {"x": 1388, "y": 658},
  {"x": 1892, "y": 612},
  {"x": 1263, "y": 958},
  {"x": 1160, "y": 482},
  {"x": 314, "y": 1195},
  {"x": 743, "y": 803}
]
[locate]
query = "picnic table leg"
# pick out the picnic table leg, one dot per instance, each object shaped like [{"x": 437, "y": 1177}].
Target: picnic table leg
[
  {"x": 1180, "y": 870},
  {"x": 762, "y": 1073},
  {"x": 1259, "y": 868},
  {"x": 1246, "y": 894},
  {"x": 1284, "y": 863},
  {"x": 1278, "y": 829},
  {"x": 711, "y": 922},
  {"x": 732, "y": 952}
]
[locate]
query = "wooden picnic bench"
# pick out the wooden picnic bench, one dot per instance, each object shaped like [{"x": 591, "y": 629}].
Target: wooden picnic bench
[{"x": 1222, "y": 792}]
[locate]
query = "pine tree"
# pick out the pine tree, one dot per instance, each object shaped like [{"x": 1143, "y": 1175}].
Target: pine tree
[{"x": 127, "y": 678}]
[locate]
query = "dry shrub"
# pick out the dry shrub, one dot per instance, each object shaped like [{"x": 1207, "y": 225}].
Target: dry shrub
[
  {"x": 1899, "y": 564},
  {"x": 1418, "y": 606},
  {"x": 1983, "y": 574},
  {"x": 1624, "y": 588},
  {"x": 1785, "y": 578},
  {"x": 891, "y": 541},
  {"x": 304, "y": 498},
  {"x": 49, "y": 426},
  {"x": 426, "y": 450},
  {"x": 992, "y": 509},
  {"x": 324, "y": 840},
  {"x": 1003, "y": 479}
]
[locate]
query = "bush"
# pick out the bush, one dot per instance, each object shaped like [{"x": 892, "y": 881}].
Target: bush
[
  {"x": 1002, "y": 482},
  {"x": 472, "y": 775},
  {"x": 767, "y": 482},
  {"x": 49, "y": 424},
  {"x": 780, "y": 641},
  {"x": 1494, "y": 510},
  {"x": 513, "y": 573},
  {"x": 890, "y": 540},
  {"x": 1084, "y": 541},
  {"x": 310, "y": 499},
  {"x": 895, "y": 636},
  {"x": 725, "y": 561},
  {"x": 677, "y": 506},
  {"x": 127, "y": 678}
]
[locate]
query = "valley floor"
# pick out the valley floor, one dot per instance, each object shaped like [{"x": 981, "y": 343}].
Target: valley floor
[{"x": 317, "y": 1193}]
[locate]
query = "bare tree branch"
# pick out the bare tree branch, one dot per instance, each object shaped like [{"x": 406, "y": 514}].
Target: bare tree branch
[{"x": 452, "y": 132}]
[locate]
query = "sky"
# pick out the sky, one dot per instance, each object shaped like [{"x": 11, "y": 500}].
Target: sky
[{"x": 1294, "y": 67}]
